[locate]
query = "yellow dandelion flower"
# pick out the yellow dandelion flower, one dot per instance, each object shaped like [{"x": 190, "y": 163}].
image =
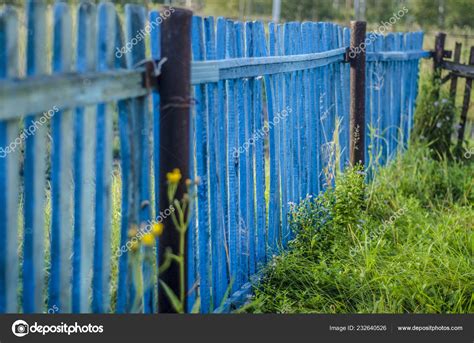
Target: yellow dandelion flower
[
  {"x": 157, "y": 229},
  {"x": 148, "y": 240},
  {"x": 174, "y": 177}
]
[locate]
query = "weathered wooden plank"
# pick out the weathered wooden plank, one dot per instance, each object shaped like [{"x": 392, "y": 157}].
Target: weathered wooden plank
[
  {"x": 409, "y": 86},
  {"x": 404, "y": 77},
  {"x": 378, "y": 87},
  {"x": 217, "y": 246},
  {"x": 385, "y": 105},
  {"x": 269, "y": 129},
  {"x": 232, "y": 170},
  {"x": 68, "y": 90},
  {"x": 242, "y": 160},
  {"x": 35, "y": 170},
  {"x": 454, "y": 79},
  {"x": 281, "y": 152},
  {"x": 201, "y": 141},
  {"x": 413, "y": 68},
  {"x": 274, "y": 118},
  {"x": 465, "y": 103},
  {"x": 372, "y": 105},
  {"x": 258, "y": 35},
  {"x": 368, "y": 117},
  {"x": 155, "y": 48},
  {"x": 84, "y": 165},
  {"x": 326, "y": 107},
  {"x": 193, "y": 282},
  {"x": 300, "y": 118},
  {"x": 331, "y": 95},
  {"x": 310, "y": 122},
  {"x": 417, "y": 43},
  {"x": 318, "y": 108},
  {"x": 9, "y": 171},
  {"x": 285, "y": 38},
  {"x": 307, "y": 47},
  {"x": 397, "y": 55},
  {"x": 222, "y": 167},
  {"x": 339, "y": 98},
  {"x": 397, "y": 96},
  {"x": 294, "y": 134},
  {"x": 104, "y": 158},
  {"x": 459, "y": 69},
  {"x": 233, "y": 68},
  {"x": 61, "y": 173},
  {"x": 250, "y": 130},
  {"x": 124, "y": 108},
  {"x": 389, "y": 79},
  {"x": 291, "y": 102},
  {"x": 141, "y": 297}
]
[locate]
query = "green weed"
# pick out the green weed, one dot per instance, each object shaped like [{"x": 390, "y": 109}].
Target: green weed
[{"x": 403, "y": 243}]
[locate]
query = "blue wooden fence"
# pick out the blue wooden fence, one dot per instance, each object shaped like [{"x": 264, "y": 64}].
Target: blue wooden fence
[{"x": 270, "y": 124}]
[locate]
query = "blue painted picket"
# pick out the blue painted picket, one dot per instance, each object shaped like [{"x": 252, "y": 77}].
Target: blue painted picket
[
  {"x": 61, "y": 167},
  {"x": 104, "y": 160},
  {"x": 35, "y": 168},
  {"x": 270, "y": 126},
  {"x": 84, "y": 173},
  {"x": 9, "y": 171}
]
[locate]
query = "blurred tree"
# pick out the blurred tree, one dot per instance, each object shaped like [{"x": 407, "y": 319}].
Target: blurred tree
[
  {"x": 425, "y": 12},
  {"x": 377, "y": 10},
  {"x": 310, "y": 10},
  {"x": 461, "y": 13}
]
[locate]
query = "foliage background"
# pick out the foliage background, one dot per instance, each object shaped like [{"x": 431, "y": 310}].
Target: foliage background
[{"x": 442, "y": 14}]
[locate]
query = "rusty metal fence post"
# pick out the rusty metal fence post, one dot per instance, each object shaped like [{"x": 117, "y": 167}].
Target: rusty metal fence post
[
  {"x": 175, "y": 93},
  {"x": 357, "y": 93}
]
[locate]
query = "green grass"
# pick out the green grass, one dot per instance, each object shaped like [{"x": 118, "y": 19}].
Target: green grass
[{"x": 404, "y": 246}]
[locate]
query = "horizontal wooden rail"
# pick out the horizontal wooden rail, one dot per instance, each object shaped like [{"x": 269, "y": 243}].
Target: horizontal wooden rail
[
  {"x": 40, "y": 94},
  {"x": 459, "y": 69},
  {"x": 398, "y": 55},
  {"x": 213, "y": 71},
  {"x": 236, "y": 68}
]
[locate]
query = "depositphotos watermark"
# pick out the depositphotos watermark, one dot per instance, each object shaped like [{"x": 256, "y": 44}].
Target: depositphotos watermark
[
  {"x": 144, "y": 230},
  {"x": 468, "y": 154},
  {"x": 386, "y": 224},
  {"x": 20, "y": 328},
  {"x": 261, "y": 133},
  {"x": 29, "y": 131},
  {"x": 383, "y": 27},
  {"x": 141, "y": 35}
]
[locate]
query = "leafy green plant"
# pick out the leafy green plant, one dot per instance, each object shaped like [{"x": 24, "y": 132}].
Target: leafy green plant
[
  {"x": 320, "y": 222},
  {"x": 180, "y": 219},
  {"x": 434, "y": 118}
]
